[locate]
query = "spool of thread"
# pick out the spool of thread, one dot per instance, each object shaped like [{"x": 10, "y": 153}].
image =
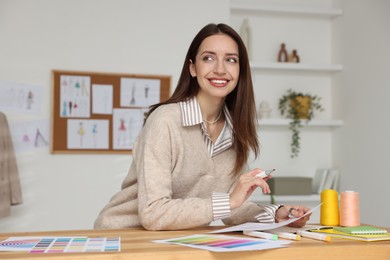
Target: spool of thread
[
  {"x": 329, "y": 211},
  {"x": 349, "y": 209}
]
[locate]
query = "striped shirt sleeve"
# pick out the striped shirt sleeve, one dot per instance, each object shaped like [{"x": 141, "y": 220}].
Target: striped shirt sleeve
[
  {"x": 221, "y": 205},
  {"x": 269, "y": 214}
]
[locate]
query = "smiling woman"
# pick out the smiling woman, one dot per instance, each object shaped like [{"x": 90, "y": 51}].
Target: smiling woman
[
  {"x": 191, "y": 155},
  {"x": 216, "y": 68}
]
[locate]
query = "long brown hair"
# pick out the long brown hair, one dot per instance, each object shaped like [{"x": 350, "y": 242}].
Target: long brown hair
[{"x": 240, "y": 101}]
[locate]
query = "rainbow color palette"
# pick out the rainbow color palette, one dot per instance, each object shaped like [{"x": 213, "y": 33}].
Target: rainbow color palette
[
  {"x": 220, "y": 243},
  {"x": 61, "y": 244}
]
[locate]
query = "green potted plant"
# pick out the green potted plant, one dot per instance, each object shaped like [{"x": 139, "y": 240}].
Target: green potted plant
[{"x": 298, "y": 107}]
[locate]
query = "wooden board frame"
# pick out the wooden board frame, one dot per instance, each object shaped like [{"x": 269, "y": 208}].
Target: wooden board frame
[{"x": 59, "y": 122}]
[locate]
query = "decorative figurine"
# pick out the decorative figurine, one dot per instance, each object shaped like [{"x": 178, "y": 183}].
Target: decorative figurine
[
  {"x": 293, "y": 57},
  {"x": 283, "y": 57},
  {"x": 265, "y": 110},
  {"x": 246, "y": 35}
]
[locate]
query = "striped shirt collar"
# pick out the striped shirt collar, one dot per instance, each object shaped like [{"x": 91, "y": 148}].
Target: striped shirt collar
[{"x": 191, "y": 115}]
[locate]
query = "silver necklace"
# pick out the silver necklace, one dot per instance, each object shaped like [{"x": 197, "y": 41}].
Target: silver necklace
[{"x": 216, "y": 120}]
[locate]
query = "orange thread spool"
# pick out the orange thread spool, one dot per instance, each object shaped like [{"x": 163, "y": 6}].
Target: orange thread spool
[
  {"x": 329, "y": 214},
  {"x": 349, "y": 209}
]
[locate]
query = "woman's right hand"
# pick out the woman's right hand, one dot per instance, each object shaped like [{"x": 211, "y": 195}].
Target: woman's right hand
[{"x": 245, "y": 186}]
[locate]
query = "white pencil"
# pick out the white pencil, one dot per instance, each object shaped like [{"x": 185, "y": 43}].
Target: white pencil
[
  {"x": 265, "y": 173},
  {"x": 286, "y": 235},
  {"x": 260, "y": 234},
  {"x": 313, "y": 235}
]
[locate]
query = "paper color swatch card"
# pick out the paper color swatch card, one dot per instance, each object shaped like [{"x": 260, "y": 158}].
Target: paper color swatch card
[
  {"x": 60, "y": 244},
  {"x": 221, "y": 243}
]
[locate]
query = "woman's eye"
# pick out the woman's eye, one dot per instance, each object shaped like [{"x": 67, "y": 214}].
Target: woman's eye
[
  {"x": 208, "y": 58},
  {"x": 232, "y": 60}
]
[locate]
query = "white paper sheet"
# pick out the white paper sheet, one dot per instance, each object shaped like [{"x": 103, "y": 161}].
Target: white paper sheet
[
  {"x": 88, "y": 134},
  {"x": 261, "y": 226},
  {"x": 102, "y": 99},
  {"x": 75, "y": 96},
  {"x": 139, "y": 92},
  {"x": 21, "y": 97}
]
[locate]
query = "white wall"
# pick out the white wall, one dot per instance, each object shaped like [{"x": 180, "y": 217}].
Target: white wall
[
  {"x": 151, "y": 37},
  {"x": 122, "y": 36},
  {"x": 361, "y": 146}
]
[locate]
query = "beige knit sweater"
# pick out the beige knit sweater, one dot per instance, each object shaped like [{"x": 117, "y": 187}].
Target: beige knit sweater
[{"x": 171, "y": 179}]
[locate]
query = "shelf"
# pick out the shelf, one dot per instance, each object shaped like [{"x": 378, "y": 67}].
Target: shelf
[
  {"x": 286, "y": 198},
  {"x": 296, "y": 66},
  {"x": 314, "y": 122},
  {"x": 324, "y": 12}
]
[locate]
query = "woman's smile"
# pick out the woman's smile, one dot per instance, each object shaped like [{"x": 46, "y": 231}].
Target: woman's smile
[{"x": 219, "y": 83}]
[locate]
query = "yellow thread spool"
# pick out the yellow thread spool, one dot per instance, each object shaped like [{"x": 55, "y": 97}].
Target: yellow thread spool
[{"x": 329, "y": 215}]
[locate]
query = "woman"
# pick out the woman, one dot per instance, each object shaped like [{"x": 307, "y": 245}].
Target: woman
[{"x": 190, "y": 158}]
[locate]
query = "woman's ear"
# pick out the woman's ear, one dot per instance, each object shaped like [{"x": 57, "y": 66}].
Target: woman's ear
[{"x": 192, "y": 69}]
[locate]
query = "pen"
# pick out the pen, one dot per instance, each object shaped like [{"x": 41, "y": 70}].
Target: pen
[
  {"x": 260, "y": 234},
  {"x": 265, "y": 173},
  {"x": 286, "y": 235},
  {"x": 312, "y": 235}
]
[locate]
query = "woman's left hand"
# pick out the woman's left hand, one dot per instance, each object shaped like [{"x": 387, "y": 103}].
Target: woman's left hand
[{"x": 287, "y": 212}]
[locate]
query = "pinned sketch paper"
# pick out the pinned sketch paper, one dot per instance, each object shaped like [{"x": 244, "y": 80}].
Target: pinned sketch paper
[
  {"x": 102, "y": 99},
  {"x": 139, "y": 92},
  {"x": 87, "y": 134},
  {"x": 20, "y": 97},
  {"x": 249, "y": 226},
  {"x": 127, "y": 124},
  {"x": 75, "y": 96},
  {"x": 221, "y": 243},
  {"x": 30, "y": 135}
]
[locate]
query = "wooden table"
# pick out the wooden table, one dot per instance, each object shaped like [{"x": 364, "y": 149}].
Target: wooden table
[{"x": 136, "y": 244}]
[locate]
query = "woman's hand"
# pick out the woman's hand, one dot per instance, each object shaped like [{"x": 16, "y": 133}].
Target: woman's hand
[
  {"x": 288, "y": 212},
  {"x": 245, "y": 186}
]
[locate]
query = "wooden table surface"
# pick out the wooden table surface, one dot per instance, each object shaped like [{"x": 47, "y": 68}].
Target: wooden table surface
[{"x": 136, "y": 244}]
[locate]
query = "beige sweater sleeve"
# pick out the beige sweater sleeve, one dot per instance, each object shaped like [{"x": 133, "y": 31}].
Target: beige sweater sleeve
[{"x": 10, "y": 188}]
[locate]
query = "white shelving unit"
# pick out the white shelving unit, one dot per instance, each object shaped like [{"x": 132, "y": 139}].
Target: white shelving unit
[
  {"x": 296, "y": 66},
  {"x": 326, "y": 68},
  {"x": 255, "y": 8},
  {"x": 270, "y": 24},
  {"x": 287, "y": 199},
  {"x": 292, "y": 10},
  {"x": 314, "y": 122}
]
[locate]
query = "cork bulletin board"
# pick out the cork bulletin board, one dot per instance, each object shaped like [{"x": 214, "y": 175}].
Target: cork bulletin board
[{"x": 101, "y": 112}]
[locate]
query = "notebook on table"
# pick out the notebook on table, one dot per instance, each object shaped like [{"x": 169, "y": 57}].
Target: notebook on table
[
  {"x": 331, "y": 231},
  {"x": 362, "y": 230}
]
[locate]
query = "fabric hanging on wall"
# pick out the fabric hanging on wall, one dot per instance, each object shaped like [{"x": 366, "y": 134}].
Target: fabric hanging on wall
[{"x": 10, "y": 190}]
